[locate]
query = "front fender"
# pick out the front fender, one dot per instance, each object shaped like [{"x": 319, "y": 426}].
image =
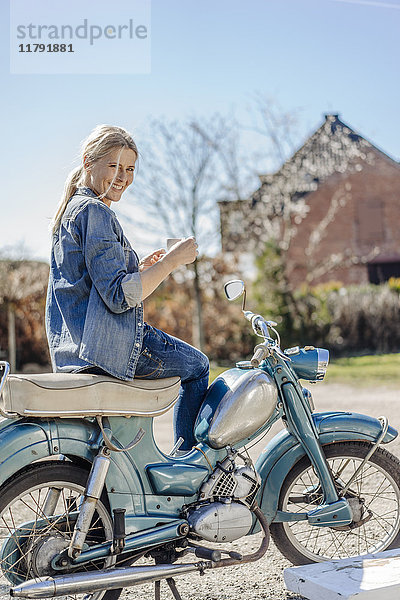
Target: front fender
[{"x": 284, "y": 451}]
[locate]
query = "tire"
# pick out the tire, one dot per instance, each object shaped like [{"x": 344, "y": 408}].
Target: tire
[
  {"x": 22, "y": 501},
  {"x": 376, "y": 524}
]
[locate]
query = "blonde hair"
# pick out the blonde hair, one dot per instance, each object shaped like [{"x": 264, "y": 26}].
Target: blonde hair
[{"x": 98, "y": 144}]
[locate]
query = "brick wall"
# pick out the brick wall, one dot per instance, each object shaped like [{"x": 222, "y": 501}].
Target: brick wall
[{"x": 355, "y": 219}]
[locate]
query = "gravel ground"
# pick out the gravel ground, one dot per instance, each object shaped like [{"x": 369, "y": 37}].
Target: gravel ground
[{"x": 263, "y": 580}]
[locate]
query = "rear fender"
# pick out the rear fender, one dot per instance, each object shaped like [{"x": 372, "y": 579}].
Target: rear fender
[
  {"x": 25, "y": 441},
  {"x": 284, "y": 451}
]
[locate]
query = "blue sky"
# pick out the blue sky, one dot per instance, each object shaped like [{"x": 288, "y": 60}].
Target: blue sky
[{"x": 316, "y": 55}]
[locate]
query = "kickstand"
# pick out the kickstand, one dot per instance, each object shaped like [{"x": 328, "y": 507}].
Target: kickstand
[
  {"x": 172, "y": 587},
  {"x": 157, "y": 585}
]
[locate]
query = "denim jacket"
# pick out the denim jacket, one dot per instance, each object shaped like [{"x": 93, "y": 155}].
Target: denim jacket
[{"x": 88, "y": 319}]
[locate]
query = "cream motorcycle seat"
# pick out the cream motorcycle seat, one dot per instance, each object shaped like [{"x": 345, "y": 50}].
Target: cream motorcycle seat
[{"x": 84, "y": 395}]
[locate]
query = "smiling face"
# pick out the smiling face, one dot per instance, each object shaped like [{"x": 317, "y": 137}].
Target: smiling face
[{"x": 111, "y": 174}]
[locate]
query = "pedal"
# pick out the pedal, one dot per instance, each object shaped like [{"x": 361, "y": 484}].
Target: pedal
[
  {"x": 208, "y": 554},
  {"x": 119, "y": 530}
]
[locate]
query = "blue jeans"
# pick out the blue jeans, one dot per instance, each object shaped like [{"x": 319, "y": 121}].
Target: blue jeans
[{"x": 162, "y": 356}]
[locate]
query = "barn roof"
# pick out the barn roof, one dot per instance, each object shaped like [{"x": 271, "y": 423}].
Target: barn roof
[{"x": 334, "y": 147}]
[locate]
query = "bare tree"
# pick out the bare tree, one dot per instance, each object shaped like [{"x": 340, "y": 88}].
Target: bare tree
[
  {"x": 279, "y": 127},
  {"x": 185, "y": 168}
]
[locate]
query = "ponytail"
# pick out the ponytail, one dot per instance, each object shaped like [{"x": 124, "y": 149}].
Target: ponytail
[{"x": 70, "y": 188}]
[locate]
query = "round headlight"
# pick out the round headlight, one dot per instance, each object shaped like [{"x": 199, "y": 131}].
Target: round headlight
[{"x": 323, "y": 361}]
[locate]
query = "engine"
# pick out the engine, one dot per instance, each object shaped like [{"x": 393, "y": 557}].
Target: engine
[{"x": 223, "y": 513}]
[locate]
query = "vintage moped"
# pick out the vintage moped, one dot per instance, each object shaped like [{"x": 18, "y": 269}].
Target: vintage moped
[{"x": 85, "y": 510}]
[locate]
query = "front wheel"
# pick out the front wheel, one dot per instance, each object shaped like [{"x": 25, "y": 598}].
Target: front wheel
[{"x": 374, "y": 497}]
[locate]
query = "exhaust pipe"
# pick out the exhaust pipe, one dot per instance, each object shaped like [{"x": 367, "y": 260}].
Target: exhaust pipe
[
  {"x": 93, "y": 581},
  {"x": 111, "y": 579}
]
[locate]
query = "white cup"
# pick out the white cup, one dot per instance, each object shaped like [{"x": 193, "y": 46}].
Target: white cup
[{"x": 171, "y": 242}]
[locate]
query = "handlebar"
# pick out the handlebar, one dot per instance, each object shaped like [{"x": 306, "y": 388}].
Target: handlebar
[
  {"x": 248, "y": 315},
  {"x": 259, "y": 324},
  {"x": 261, "y": 327}
]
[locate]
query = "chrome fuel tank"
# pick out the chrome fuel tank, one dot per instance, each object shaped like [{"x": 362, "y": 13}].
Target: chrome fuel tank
[{"x": 237, "y": 404}]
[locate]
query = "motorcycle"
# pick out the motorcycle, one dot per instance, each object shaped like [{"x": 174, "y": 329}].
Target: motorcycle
[{"x": 81, "y": 502}]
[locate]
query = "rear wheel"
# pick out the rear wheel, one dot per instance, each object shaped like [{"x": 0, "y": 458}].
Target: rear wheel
[
  {"x": 374, "y": 497},
  {"x": 38, "y": 509}
]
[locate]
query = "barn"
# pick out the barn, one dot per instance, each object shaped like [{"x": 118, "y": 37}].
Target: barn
[{"x": 333, "y": 209}]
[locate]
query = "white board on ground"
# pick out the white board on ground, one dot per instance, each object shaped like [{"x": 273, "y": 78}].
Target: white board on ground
[{"x": 372, "y": 577}]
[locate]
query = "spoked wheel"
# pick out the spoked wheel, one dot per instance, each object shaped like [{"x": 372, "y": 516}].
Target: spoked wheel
[
  {"x": 38, "y": 509},
  {"x": 374, "y": 497}
]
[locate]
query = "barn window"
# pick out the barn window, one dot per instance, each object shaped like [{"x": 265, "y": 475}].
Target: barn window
[{"x": 379, "y": 272}]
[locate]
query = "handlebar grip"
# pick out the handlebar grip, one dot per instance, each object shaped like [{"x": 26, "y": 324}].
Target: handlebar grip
[{"x": 258, "y": 356}]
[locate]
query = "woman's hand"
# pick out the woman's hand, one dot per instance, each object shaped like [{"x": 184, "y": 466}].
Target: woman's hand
[
  {"x": 151, "y": 259},
  {"x": 162, "y": 263},
  {"x": 183, "y": 252}
]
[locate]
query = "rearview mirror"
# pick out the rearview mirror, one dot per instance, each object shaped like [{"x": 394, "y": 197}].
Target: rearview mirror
[{"x": 234, "y": 289}]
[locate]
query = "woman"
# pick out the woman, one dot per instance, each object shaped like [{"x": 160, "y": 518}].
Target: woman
[{"x": 94, "y": 310}]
